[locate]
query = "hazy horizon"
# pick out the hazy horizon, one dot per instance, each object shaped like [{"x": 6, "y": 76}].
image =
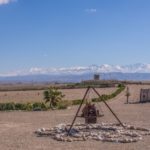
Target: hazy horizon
[{"x": 79, "y": 70}]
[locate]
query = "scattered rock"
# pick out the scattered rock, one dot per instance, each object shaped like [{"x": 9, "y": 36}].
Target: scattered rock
[{"x": 107, "y": 132}]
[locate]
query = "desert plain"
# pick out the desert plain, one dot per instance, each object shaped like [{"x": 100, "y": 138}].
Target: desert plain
[{"x": 17, "y": 127}]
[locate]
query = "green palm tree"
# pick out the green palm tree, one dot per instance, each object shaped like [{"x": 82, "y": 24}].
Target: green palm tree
[{"x": 53, "y": 96}]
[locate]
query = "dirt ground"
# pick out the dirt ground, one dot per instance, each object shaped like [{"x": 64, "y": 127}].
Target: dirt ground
[
  {"x": 17, "y": 128},
  {"x": 37, "y": 96}
]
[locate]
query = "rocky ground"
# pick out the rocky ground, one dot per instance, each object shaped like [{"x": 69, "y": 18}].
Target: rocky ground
[{"x": 17, "y": 128}]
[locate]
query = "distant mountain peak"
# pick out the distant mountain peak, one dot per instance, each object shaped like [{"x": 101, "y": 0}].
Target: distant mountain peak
[{"x": 77, "y": 70}]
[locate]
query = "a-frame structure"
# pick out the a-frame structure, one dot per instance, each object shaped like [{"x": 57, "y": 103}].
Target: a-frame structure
[{"x": 82, "y": 102}]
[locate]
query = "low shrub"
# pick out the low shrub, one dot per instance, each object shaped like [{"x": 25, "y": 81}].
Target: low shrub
[
  {"x": 63, "y": 104},
  {"x": 105, "y": 97},
  {"x": 2, "y": 106},
  {"x": 9, "y": 106},
  {"x": 29, "y": 106},
  {"x": 76, "y": 102},
  {"x": 20, "y": 106},
  {"x": 95, "y": 100},
  {"x": 39, "y": 106}
]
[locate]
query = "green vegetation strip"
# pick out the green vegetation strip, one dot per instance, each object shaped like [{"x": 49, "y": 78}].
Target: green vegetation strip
[
  {"x": 21, "y": 106},
  {"x": 41, "y": 106}
]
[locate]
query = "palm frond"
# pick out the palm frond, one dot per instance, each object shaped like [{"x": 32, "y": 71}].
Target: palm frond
[{"x": 53, "y": 96}]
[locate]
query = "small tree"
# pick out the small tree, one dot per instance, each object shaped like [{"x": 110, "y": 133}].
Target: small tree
[
  {"x": 53, "y": 96},
  {"x": 127, "y": 94}
]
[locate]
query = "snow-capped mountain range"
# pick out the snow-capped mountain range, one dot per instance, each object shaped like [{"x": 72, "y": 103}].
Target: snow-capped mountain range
[
  {"x": 75, "y": 74},
  {"x": 105, "y": 68}
]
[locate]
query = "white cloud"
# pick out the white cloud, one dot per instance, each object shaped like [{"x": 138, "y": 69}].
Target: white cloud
[
  {"x": 91, "y": 10},
  {"x": 2, "y": 2},
  {"x": 36, "y": 70},
  {"x": 105, "y": 68}
]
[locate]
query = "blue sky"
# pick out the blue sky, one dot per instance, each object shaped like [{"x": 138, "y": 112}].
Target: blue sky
[{"x": 65, "y": 33}]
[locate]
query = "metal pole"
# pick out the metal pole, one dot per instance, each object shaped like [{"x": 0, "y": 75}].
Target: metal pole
[
  {"x": 109, "y": 108},
  {"x": 78, "y": 111},
  {"x": 141, "y": 95}
]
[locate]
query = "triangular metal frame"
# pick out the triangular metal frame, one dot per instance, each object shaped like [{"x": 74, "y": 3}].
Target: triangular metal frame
[{"x": 102, "y": 101}]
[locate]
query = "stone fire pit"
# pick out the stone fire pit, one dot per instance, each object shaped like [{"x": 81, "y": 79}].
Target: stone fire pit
[{"x": 107, "y": 132}]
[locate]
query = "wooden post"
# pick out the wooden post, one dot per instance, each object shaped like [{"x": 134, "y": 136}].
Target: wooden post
[
  {"x": 78, "y": 111},
  {"x": 127, "y": 94}
]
